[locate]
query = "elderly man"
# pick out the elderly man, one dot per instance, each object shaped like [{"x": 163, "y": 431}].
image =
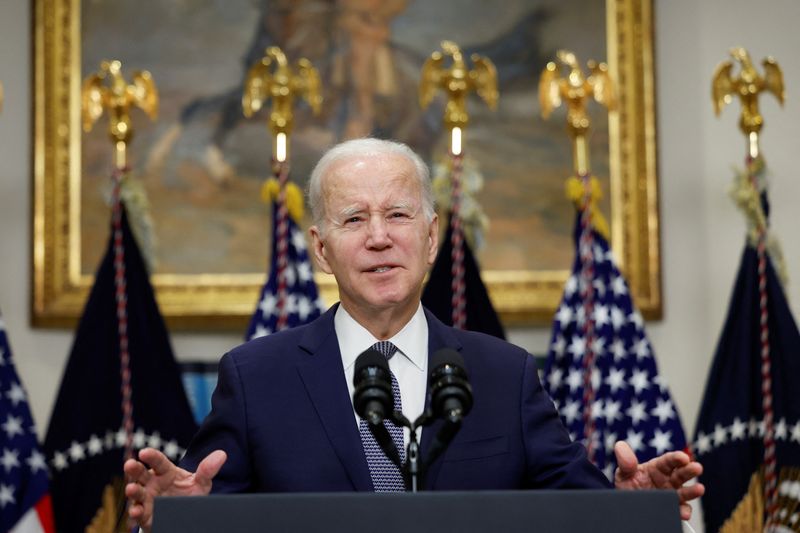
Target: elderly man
[{"x": 282, "y": 417}]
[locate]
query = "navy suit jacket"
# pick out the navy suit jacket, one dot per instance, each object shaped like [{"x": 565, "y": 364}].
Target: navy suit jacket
[{"x": 282, "y": 412}]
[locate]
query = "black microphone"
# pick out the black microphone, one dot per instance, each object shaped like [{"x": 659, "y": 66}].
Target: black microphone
[
  {"x": 451, "y": 393},
  {"x": 372, "y": 380},
  {"x": 451, "y": 398}
]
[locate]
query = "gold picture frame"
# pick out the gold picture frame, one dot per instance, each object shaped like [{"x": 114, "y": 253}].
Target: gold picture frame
[{"x": 223, "y": 301}]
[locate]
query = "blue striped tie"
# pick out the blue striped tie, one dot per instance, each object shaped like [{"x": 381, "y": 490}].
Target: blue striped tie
[{"x": 386, "y": 477}]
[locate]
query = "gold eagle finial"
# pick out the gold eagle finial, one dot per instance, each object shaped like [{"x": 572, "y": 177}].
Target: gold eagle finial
[
  {"x": 107, "y": 90},
  {"x": 281, "y": 85},
  {"x": 747, "y": 86},
  {"x": 575, "y": 89},
  {"x": 457, "y": 81}
]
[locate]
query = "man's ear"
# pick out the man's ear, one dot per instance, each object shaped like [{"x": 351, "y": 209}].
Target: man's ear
[
  {"x": 433, "y": 239},
  {"x": 319, "y": 249}
]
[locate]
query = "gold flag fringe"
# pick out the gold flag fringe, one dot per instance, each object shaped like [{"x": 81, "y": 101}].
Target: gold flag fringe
[
  {"x": 576, "y": 193},
  {"x": 748, "y": 516},
  {"x": 111, "y": 510},
  {"x": 294, "y": 197}
]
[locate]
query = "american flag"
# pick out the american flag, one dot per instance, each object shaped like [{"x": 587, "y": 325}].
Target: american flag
[
  {"x": 627, "y": 399},
  {"x": 25, "y": 503},
  {"x": 303, "y": 303}
]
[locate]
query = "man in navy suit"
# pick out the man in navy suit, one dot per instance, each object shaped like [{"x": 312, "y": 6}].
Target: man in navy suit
[{"x": 282, "y": 417}]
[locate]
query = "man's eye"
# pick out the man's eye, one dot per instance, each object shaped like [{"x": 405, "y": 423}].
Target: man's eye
[
  {"x": 398, "y": 215},
  {"x": 352, "y": 220}
]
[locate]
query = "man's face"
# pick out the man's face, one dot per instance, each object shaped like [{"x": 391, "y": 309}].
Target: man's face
[{"x": 375, "y": 238}]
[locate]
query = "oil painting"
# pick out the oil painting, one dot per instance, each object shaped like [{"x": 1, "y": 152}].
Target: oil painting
[{"x": 202, "y": 163}]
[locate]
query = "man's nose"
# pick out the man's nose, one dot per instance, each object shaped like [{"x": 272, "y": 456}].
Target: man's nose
[{"x": 378, "y": 232}]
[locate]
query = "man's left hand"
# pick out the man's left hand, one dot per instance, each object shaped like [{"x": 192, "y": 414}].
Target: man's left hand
[{"x": 668, "y": 471}]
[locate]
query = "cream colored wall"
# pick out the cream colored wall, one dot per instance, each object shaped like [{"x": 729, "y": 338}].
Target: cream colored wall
[{"x": 702, "y": 232}]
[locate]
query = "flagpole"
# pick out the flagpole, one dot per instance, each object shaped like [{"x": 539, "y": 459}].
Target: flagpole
[
  {"x": 107, "y": 91},
  {"x": 748, "y": 86},
  {"x": 281, "y": 85},
  {"x": 457, "y": 82},
  {"x": 576, "y": 89}
]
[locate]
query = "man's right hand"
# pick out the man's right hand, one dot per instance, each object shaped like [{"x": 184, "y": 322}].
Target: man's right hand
[{"x": 163, "y": 478}]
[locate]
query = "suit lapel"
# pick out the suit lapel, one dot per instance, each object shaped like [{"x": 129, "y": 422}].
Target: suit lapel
[
  {"x": 439, "y": 336},
  {"x": 323, "y": 376}
]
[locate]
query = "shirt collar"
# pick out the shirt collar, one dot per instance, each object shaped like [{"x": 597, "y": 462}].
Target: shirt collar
[{"x": 411, "y": 341}]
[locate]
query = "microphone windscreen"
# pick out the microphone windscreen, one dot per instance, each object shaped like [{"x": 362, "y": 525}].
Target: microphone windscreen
[
  {"x": 370, "y": 357},
  {"x": 447, "y": 356}
]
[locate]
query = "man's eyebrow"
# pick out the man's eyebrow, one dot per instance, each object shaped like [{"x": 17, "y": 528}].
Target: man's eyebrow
[{"x": 351, "y": 210}]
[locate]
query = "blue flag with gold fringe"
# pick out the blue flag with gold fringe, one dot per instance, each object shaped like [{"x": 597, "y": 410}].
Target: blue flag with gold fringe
[
  {"x": 87, "y": 436},
  {"x": 748, "y": 429}
]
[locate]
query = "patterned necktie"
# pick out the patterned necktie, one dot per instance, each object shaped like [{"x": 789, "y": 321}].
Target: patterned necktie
[{"x": 386, "y": 477}]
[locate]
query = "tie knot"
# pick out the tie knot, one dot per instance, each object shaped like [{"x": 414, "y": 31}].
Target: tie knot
[{"x": 386, "y": 348}]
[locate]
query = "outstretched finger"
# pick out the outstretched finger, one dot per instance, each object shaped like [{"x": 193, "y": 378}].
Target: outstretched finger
[
  {"x": 136, "y": 472},
  {"x": 671, "y": 461},
  {"x": 626, "y": 460},
  {"x": 691, "y": 492},
  {"x": 686, "y": 473},
  {"x": 159, "y": 462},
  {"x": 209, "y": 467}
]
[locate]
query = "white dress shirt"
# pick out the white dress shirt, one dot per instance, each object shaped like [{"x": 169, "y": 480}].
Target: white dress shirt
[{"x": 409, "y": 365}]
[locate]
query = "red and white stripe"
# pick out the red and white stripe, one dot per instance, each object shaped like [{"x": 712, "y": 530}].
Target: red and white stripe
[
  {"x": 585, "y": 249},
  {"x": 281, "y": 170},
  {"x": 38, "y": 519},
  {"x": 770, "y": 462},
  {"x": 459, "y": 299},
  {"x": 121, "y": 297}
]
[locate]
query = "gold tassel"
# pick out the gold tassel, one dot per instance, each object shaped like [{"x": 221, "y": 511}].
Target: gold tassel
[
  {"x": 133, "y": 195},
  {"x": 294, "y": 197},
  {"x": 576, "y": 193},
  {"x": 747, "y": 198}
]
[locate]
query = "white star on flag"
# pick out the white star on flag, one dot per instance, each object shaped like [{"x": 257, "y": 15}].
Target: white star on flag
[
  {"x": 76, "y": 451},
  {"x": 661, "y": 441},
  {"x": 36, "y": 461},
  {"x": 95, "y": 445},
  {"x": 616, "y": 380},
  {"x": 639, "y": 380},
  {"x": 60, "y": 461},
  {"x": 9, "y": 459},
  {"x": 637, "y": 412},
  {"x": 16, "y": 394},
  {"x": 663, "y": 410},
  {"x": 6, "y": 495},
  {"x": 12, "y": 426},
  {"x": 738, "y": 429}
]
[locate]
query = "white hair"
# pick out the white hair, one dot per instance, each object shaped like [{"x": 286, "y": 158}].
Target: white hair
[{"x": 367, "y": 147}]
